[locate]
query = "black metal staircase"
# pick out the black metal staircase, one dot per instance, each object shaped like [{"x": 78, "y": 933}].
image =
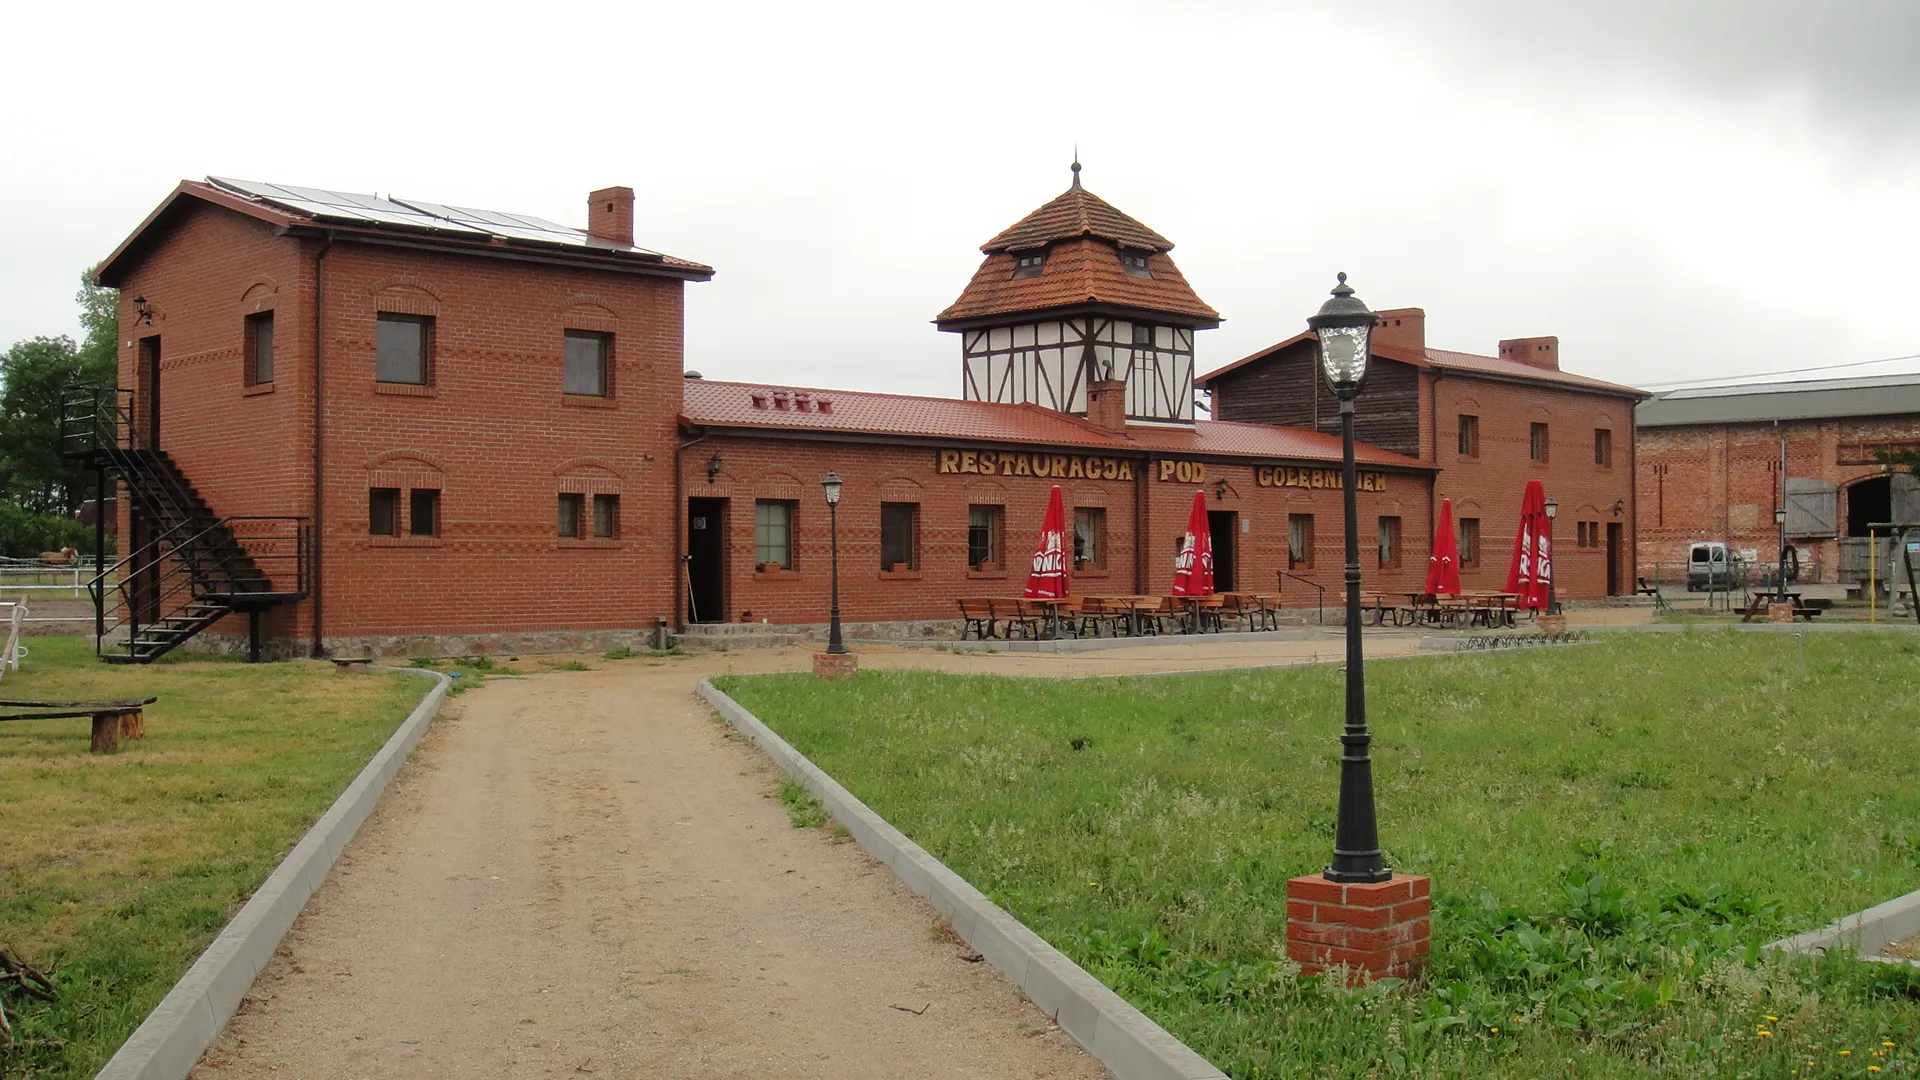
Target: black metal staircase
[{"x": 184, "y": 568}]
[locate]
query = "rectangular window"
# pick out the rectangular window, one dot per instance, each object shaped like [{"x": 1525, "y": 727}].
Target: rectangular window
[
  {"x": 1603, "y": 447},
  {"x": 1030, "y": 264},
  {"x": 570, "y": 507},
  {"x": 773, "y": 534},
  {"x": 1389, "y": 542},
  {"x": 1469, "y": 435},
  {"x": 260, "y": 348},
  {"x": 1135, "y": 264},
  {"x": 402, "y": 348},
  {"x": 423, "y": 506},
  {"x": 1089, "y": 537},
  {"x": 587, "y": 356},
  {"x": 383, "y": 512},
  {"x": 899, "y": 536},
  {"x": 1469, "y": 541},
  {"x": 983, "y": 537},
  {"x": 1299, "y": 541},
  {"x": 1537, "y": 445},
  {"x": 606, "y": 516}
]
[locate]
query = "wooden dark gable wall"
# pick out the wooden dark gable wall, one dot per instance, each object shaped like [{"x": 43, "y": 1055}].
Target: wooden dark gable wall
[{"x": 1286, "y": 388}]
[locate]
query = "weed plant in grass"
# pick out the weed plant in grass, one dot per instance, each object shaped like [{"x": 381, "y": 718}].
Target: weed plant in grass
[
  {"x": 1612, "y": 832},
  {"x": 117, "y": 870}
]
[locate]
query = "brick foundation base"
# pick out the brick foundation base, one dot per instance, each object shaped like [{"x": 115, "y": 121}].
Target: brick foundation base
[
  {"x": 834, "y": 665},
  {"x": 1374, "y": 931},
  {"x": 1780, "y": 613}
]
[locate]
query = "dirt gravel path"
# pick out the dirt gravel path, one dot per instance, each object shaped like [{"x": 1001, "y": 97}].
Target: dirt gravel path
[{"x": 585, "y": 874}]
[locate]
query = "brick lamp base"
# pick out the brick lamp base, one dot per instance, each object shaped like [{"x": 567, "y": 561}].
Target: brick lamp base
[
  {"x": 1780, "y": 613},
  {"x": 1375, "y": 931},
  {"x": 1553, "y": 625},
  {"x": 834, "y": 665}
]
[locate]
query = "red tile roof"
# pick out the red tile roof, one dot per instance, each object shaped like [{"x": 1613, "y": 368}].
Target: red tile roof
[
  {"x": 710, "y": 403},
  {"x": 1083, "y": 271},
  {"x": 1446, "y": 360},
  {"x": 1075, "y": 213}
]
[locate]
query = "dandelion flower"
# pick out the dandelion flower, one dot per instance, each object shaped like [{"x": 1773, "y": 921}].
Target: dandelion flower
[
  {"x": 1773, "y": 1019},
  {"x": 1093, "y": 884},
  {"x": 1496, "y": 1031},
  {"x": 1846, "y": 1053},
  {"x": 1888, "y": 1045},
  {"x": 1873, "y": 1068},
  {"x": 1764, "y": 1033}
]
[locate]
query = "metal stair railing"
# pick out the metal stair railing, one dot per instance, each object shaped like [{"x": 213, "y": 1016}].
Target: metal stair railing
[
  {"x": 1320, "y": 604},
  {"x": 159, "y": 576}
]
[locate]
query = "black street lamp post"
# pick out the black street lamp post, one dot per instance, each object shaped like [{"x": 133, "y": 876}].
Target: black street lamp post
[
  {"x": 1780, "y": 567},
  {"x": 1553, "y": 559},
  {"x": 1344, "y": 325},
  {"x": 835, "y": 646}
]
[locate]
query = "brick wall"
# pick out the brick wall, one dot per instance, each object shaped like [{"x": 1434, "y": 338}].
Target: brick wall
[
  {"x": 493, "y": 430},
  {"x": 754, "y": 468},
  {"x": 1718, "y": 482},
  {"x": 1489, "y": 487}
]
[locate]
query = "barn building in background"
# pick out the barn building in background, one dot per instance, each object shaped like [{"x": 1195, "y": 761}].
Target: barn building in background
[{"x": 1710, "y": 470}]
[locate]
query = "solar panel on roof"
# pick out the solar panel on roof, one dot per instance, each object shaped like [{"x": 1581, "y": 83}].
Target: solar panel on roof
[
  {"x": 523, "y": 227},
  {"x": 346, "y": 206}
]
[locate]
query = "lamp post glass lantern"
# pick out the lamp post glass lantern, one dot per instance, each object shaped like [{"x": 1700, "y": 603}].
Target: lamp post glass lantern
[
  {"x": 1553, "y": 509},
  {"x": 1344, "y": 325},
  {"x": 831, "y": 485}
]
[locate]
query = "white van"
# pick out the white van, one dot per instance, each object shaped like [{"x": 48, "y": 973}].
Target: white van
[{"x": 1707, "y": 566}]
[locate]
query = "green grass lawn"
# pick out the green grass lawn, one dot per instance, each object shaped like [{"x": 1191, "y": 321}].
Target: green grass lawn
[
  {"x": 117, "y": 870},
  {"x": 1612, "y": 831}
]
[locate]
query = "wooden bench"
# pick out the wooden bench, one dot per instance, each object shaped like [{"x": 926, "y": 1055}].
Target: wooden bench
[{"x": 112, "y": 720}]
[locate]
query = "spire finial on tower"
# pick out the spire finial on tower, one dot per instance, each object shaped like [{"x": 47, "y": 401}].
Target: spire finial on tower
[{"x": 1076, "y": 166}]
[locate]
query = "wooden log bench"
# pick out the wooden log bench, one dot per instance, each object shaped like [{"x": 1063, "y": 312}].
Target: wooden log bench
[{"x": 112, "y": 720}]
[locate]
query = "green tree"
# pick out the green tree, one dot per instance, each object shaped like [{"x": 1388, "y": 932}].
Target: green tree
[{"x": 33, "y": 474}]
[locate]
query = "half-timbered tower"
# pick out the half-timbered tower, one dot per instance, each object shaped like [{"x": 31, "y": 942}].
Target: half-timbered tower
[{"x": 1077, "y": 293}]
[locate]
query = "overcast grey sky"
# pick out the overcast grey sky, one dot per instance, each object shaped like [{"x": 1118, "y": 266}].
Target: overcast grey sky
[{"x": 1677, "y": 189}]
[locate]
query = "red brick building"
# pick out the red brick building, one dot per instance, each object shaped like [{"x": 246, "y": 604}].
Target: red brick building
[
  {"x": 1710, "y": 470},
  {"x": 1486, "y": 425},
  {"x": 478, "y": 427},
  {"x": 422, "y": 384}
]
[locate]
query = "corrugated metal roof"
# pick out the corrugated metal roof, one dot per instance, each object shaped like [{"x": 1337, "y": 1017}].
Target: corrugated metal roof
[
  {"x": 1875, "y": 395},
  {"x": 714, "y": 403}
]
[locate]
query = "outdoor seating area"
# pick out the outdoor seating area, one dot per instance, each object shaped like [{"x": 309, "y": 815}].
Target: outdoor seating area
[
  {"x": 1026, "y": 618},
  {"x": 1466, "y": 610}
]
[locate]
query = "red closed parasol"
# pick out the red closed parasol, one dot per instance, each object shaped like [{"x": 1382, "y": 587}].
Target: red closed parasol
[
  {"x": 1443, "y": 566},
  {"x": 1532, "y": 551},
  {"x": 1049, "y": 580},
  {"x": 1193, "y": 566}
]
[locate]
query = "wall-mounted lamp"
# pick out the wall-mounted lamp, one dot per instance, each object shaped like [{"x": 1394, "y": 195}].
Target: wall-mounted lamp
[
  {"x": 142, "y": 311},
  {"x": 1618, "y": 506},
  {"x": 1220, "y": 489},
  {"x": 713, "y": 467}
]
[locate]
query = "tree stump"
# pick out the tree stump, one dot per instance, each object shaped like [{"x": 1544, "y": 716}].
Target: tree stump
[
  {"x": 106, "y": 732},
  {"x": 133, "y": 725}
]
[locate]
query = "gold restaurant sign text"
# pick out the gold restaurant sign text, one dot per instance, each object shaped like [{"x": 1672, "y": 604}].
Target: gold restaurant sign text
[
  {"x": 1281, "y": 476},
  {"x": 1053, "y": 466}
]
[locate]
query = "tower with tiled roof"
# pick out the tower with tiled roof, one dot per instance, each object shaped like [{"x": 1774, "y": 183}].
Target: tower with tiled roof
[{"x": 1078, "y": 296}]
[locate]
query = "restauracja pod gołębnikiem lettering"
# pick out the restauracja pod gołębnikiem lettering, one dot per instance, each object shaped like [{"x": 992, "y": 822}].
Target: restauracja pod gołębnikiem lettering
[{"x": 1094, "y": 467}]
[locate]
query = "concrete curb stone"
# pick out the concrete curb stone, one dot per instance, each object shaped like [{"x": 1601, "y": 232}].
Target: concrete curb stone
[
  {"x": 1130, "y": 1045},
  {"x": 179, "y": 1029},
  {"x": 1865, "y": 932}
]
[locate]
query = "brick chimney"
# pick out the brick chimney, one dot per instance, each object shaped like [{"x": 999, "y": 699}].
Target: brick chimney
[
  {"x": 1541, "y": 352},
  {"x": 1107, "y": 404},
  {"x": 610, "y": 215},
  {"x": 1402, "y": 328}
]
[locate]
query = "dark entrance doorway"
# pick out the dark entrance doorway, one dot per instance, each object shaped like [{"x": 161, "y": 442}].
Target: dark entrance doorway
[
  {"x": 1869, "y": 502},
  {"x": 1615, "y": 531},
  {"x": 1224, "y": 526},
  {"x": 147, "y": 408},
  {"x": 706, "y": 560}
]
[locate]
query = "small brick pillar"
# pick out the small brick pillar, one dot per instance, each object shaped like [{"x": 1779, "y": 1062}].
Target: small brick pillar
[
  {"x": 1553, "y": 625},
  {"x": 1780, "y": 613},
  {"x": 1376, "y": 931},
  {"x": 834, "y": 665}
]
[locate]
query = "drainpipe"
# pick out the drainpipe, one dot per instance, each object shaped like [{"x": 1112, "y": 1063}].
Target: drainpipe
[
  {"x": 319, "y": 441},
  {"x": 1140, "y": 524},
  {"x": 680, "y": 533},
  {"x": 1433, "y": 425}
]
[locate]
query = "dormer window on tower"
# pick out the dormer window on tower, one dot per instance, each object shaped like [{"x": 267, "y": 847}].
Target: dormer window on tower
[
  {"x": 1029, "y": 264},
  {"x": 1135, "y": 263}
]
